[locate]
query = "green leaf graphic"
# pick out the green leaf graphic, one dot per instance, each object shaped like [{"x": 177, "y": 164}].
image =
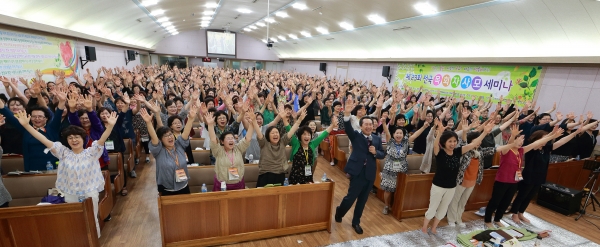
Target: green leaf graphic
[
  {"x": 534, "y": 83},
  {"x": 533, "y": 72}
]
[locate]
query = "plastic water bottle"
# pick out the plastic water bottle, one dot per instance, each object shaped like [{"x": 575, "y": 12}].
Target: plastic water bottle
[
  {"x": 81, "y": 197},
  {"x": 578, "y": 157},
  {"x": 286, "y": 182},
  {"x": 49, "y": 167},
  {"x": 204, "y": 189},
  {"x": 251, "y": 159},
  {"x": 324, "y": 178},
  {"x": 223, "y": 186}
]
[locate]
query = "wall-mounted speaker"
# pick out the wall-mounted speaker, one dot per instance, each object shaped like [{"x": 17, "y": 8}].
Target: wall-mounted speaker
[
  {"x": 131, "y": 55},
  {"x": 323, "y": 67},
  {"x": 90, "y": 53},
  {"x": 386, "y": 71}
]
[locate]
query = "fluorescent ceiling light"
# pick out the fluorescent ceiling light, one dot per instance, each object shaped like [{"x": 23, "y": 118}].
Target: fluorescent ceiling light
[
  {"x": 306, "y": 34},
  {"x": 208, "y": 12},
  {"x": 170, "y": 28},
  {"x": 281, "y": 37},
  {"x": 377, "y": 19},
  {"x": 206, "y": 18},
  {"x": 163, "y": 19},
  {"x": 253, "y": 27},
  {"x": 157, "y": 12},
  {"x": 425, "y": 8},
  {"x": 299, "y": 6},
  {"x": 211, "y": 5},
  {"x": 322, "y": 30},
  {"x": 264, "y": 40},
  {"x": 293, "y": 36},
  {"x": 204, "y": 25},
  {"x": 147, "y": 3},
  {"x": 167, "y": 24},
  {"x": 346, "y": 25},
  {"x": 247, "y": 29},
  {"x": 274, "y": 39},
  {"x": 269, "y": 20},
  {"x": 244, "y": 11},
  {"x": 260, "y": 24},
  {"x": 282, "y": 14},
  {"x": 175, "y": 33}
]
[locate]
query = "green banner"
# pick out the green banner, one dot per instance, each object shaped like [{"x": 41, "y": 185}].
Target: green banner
[{"x": 512, "y": 82}]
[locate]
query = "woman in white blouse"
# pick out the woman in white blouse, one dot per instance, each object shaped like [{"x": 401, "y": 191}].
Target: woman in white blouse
[{"x": 79, "y": 174}]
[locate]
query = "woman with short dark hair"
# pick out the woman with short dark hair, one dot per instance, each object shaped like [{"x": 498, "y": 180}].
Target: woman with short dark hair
[
  {"x": 79, "y": 174},
  {"x": 169, "y": 153}
]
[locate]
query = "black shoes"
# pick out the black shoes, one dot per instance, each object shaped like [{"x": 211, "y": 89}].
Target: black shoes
[
  {"x": 338, "y": 218},
  {"x": 357, "y": 229}
]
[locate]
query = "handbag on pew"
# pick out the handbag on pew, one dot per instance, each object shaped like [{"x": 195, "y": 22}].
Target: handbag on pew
[{"x": 54, "y": 196}]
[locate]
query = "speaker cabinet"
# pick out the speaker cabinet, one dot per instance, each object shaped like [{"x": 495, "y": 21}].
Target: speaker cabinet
[
  {"x": 560, "y": 199},
  {"x": 386, "y": 71},
  {"x": 90, "y": 53},
  {"x": 131, "y": 55},
  {"x": 323, "y": 67}
]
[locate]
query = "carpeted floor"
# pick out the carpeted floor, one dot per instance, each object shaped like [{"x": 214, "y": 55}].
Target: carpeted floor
[{"x": 558, "y": 236}]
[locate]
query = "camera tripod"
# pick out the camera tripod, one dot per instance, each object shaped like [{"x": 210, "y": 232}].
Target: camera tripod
[{"x": 590, "y": 198}]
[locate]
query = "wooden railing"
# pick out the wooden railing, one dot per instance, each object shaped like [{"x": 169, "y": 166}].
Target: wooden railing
[
  {"x": 69, "y": 224},
  {"x": 216, "y": 218}
]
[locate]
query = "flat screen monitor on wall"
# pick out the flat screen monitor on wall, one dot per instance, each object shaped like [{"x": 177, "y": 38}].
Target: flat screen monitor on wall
[{"x": 220, "y": 43}]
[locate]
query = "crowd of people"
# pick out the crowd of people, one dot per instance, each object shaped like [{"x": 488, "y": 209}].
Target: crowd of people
[{"x": 252, "y": 115}]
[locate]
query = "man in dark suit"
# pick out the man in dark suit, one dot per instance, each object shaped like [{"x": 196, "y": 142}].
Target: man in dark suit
[{"x": 361, "y": 166}]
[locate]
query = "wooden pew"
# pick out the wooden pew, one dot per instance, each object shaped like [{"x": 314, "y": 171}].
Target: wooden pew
[
  {"x": 12, "y": 163},
  {"x": 117, "y": 171},
  {"x": 342, "y": 150},
  {"x": 68, "y": 224},
  {"x": 205, "y": 175},
  {"x": 128, "y": 154},
  {"x": 216, "y": 218},
  {"x": 196, "y": 143},
  {"x": 412, "y": 196},
  {"x": 201, "y": 157},
  {"x": 106, "y": 200}
]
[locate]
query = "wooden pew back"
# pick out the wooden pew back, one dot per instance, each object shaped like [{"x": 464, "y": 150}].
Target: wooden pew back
[
  {"x": 12, "y": 163},
  {"x": 28, "y": 190},
  {"x": 206, "y": 175}
]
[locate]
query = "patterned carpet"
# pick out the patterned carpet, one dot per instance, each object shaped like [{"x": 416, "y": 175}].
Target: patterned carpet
[{"x": 559, "y": 236}]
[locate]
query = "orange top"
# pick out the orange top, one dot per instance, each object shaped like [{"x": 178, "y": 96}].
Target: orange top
[{"x": 471, "y": 174}]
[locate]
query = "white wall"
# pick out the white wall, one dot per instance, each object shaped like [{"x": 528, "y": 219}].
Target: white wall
[
  {"x": 273, "y": 66},
  {"x": 108, "y": 56},
  {"x": 574, "y": 89},
  {"x": 364, "y": 71}
]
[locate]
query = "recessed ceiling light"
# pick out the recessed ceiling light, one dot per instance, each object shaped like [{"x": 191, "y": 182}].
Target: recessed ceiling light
[
  {"x": 206, "y": 18},
  {"x": 322, "y": 30},
  {"x": 253, "y": 27},
  {"x": 208, "y": 12},
  {"x": 293, "y": 36},
  {"x": 163, "y": 19},
  {"x": 260, "y": 24},
  {"x": 157, "y": 12},
  {"x": 147, "y": 3},
  {"x": 244, "y": 11},
  {"x": 425, "y": 8},
  {"x": 299, "y": 6},
  {"x": 247, "y": 29},
  {"x": 282, "y": 14},
  {"x": 306, "y": 34},
  {"x": 211, "y": 5},
  {"x": 281, "y": 37},
  {"x": 274, "y": 39},
  {"x": 269, "y": 20},
  {"x": 346, "y": 25},
  {"x": 377, "y": 19}
]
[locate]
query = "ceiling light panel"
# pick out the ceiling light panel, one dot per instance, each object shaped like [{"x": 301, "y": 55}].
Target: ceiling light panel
[
  {"x": 426, "y": 8},
  {"x": 299, "y": 6},
  {"x": 269, "y": 20},
  {"x": 282, "y": 14},
  {"x": 252, "y": 27},
  {"x": 305, "y": 34},
  {"x": 260, "y": 24},
  {"x": 247, "y": 29},
  {"x": 208, "y": 12},
  {"x": 376, "y": 19},
  {"x": 346, "y": 25},
  {"x": 163, "y": 19},
  {"x": 147, "y": 3},
  {"x": 274, "y": 39},
  {"x": 211, "y": 5},
  {"x": 244, "y": 10},
  {"x": 281, "y": 37},
  {"x": 322, "y": 30},
  {"x": 293, "y": 36},
  {"x": 157, "y": 12},
  {"x": 206, "y": 18}
]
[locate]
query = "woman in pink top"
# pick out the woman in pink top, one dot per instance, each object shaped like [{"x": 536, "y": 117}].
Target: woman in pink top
[{"x": 508, "y": 175}]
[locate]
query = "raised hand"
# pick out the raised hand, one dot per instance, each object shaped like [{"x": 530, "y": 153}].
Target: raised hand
[
  {"x": 559, "y": 116},
  {"x": 88, "y": 102},
  {"x": 126, "y": 98},
  {"x": 334, "y": 121},
  {"x": 349, "y": 107},
  {"x": 60, "y": 93},
  {"x": 302, "y": 115},
  {"x": 147, "y": 117},
  {"x": 514, "y": 130},
  {"x": 72, "y": 101},
  {"x": 488, "y": 127},
  {"x": 192, "y": 113},
  {"x": 209, "y": 119},
  {"x": 112, "y": 119},
  {"x": 23, "y": 117}
]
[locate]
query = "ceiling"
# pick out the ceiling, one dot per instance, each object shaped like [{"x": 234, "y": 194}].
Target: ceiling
[{"x": 462, "y": 28}]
